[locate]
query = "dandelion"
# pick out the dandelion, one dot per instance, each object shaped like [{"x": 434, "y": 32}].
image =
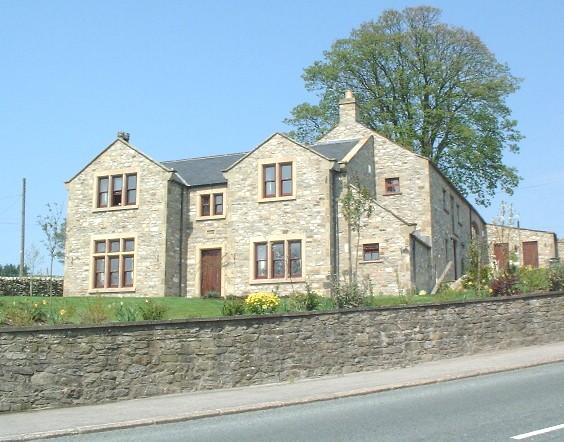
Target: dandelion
[
  {"x": 44, "y": 302},
  {"x": 62, "y": 312}
]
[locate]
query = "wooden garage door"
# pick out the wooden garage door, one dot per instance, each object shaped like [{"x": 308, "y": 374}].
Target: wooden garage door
[
  {"x": 501, "y": 252},
  {"x": 531, "y": 253}
]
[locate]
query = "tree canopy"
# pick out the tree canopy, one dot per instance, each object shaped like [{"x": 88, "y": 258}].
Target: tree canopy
[{"x": 428, "y": 86}]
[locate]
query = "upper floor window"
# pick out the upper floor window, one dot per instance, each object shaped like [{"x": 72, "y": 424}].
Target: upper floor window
[
  {"x": 117, "y": 190},
  {"x": 393, "y": 185},
  {"x": 277, "y": 180},
  {"x": 278, "y": 259},
  {"x": 445, "y": 200},
  {"x": 211, "y": 204},
  {"x": 113, "y": 261},
  {"x": 371, "y": 252}
]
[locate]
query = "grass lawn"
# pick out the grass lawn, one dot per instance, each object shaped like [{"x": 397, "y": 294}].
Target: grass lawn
[{"x": 74, "y": 309}]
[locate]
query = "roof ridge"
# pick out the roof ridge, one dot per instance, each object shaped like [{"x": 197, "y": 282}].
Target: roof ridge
[
  {"x": 348, "y": 140},
  {"x": 205, "y": 158}
]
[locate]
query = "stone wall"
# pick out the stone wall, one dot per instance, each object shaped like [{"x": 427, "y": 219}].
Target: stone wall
[
  {"x": 145, "y": 222},
  {"x": 304, "y": 216},
  {"x": 71, "y": 365},
  {"x": 31, "y": 285}
]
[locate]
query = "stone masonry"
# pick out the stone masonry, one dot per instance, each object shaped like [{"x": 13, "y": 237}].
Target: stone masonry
[{"x": 45, "y": 367}]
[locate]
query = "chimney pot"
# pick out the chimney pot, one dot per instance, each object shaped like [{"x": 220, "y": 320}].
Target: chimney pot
[{"x": 124, "y": 136}]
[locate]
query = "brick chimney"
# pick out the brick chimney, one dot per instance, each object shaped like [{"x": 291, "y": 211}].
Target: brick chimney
[{"x": 348, "y": 110}]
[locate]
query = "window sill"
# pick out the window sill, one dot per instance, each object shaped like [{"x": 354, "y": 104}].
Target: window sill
[
  {"x": 115, "y": 208},
  {"x": 111, "y": 290},
  {"x": 374, "y": 261},
  {"x": 209, "y": 218},
  {"x": 277, "y": 280},
  {"x": 391, "y": 193},
  {"x": 276, "y": 198}
]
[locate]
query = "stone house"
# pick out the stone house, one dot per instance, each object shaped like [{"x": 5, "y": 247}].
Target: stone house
[
  {"x": 523, "y": 247},
  {"x": 266, "y": 220}
]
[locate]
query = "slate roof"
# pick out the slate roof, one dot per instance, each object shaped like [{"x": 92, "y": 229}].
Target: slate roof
[
  {"x": 207, "y": 171},
  {"x": 204, "y": 171},
  {"x": 335, "y": 150}
]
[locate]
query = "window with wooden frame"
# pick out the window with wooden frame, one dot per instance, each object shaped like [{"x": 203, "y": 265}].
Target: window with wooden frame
[
  {"x": 211, "y": 204},
  {"x": 277, "y": 180},
  {"x": 278, "y": 259},
  {"x": 371, "y": 252},
  {"x": 116, "y": 190},
  {"x": 392, "y": 185},
  {"x": 113, "y": 263}
]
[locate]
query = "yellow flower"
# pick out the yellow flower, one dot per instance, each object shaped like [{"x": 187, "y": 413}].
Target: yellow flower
[
  {"x": 44, "y": 302},
  {"x": 62, "y": 312}
]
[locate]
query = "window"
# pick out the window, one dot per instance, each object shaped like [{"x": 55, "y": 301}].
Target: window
[
  {"x": 211, "y": 204},
  {"x": 117, "y": 190},
  {"x": 371, "y": 252},
  {"x": 278, "y": 259},
  {"x": 114, "y": 263},
  {"x": 392, "y": 185},
  {"x": 277, "y": 180},
  {"x": 445, "y": 200}
]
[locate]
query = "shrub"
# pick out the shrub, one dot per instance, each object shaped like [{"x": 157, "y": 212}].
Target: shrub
[
  {"x": 23, "y": 313},
  {"x": 307, "y": 301},
  {"x": 212, "y": 294},
  {"x": 506, "y": 284},
  {"x": 347, "y": 295},
  {"x": 153, "y": 311},
  {"x": 96, "y": 312},
  {"x": 62, "y": 314},
  {"x": 125, "y": 312},
  {"x": 556, "y": 277},
  {"x": 533, "y": 279},
  {"x": 262, "y": 303},
  {"x": 233, "y": 306}
]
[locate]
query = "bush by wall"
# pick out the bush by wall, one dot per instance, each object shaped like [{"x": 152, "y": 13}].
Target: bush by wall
[
  {"x": 53, "y": 366},
  {"x": 40, "y": 286}
]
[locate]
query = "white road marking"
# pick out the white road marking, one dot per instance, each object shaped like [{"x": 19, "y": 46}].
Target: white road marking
[{"x": 535, "y": 433}]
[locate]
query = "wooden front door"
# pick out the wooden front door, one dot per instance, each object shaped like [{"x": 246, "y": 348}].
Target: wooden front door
[
  {"x": 501, "y": 252},
  {"x": 210, "y": 273},
  {"x": 531, "y": 253}
]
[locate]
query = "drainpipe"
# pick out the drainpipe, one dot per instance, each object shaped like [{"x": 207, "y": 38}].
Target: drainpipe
[
  {"x": 335, "y": 233},
  {"x": 181, "y": 246}
]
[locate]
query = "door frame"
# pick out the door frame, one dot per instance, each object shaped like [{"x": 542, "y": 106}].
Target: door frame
[{"x": 199, "y": 250}]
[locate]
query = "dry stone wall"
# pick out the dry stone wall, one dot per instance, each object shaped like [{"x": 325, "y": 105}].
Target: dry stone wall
[{"x": 72, "y": 365}]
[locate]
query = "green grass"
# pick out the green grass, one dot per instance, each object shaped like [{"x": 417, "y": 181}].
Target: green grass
[
  {"x": 25, "y": 310},
  {"x": 75, "y": 309}
]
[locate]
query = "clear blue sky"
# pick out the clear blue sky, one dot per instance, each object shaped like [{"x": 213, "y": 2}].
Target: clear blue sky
[{"x": 195, "y": 78}]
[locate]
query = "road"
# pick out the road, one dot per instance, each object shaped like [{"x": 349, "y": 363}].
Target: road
[{"x": 496, "y": 407}]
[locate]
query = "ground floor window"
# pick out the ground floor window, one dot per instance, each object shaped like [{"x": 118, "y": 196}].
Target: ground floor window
[
  {"x": 278, "y": 259},
  {"x": 114, "y": 263},
  {"x": 371, "y": 252}
]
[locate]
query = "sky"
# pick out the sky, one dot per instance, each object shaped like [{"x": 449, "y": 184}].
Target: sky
[{"x": 196, "y": 78}]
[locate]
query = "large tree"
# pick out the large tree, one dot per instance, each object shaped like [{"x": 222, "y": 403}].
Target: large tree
[{"x": 430, "y": 87}]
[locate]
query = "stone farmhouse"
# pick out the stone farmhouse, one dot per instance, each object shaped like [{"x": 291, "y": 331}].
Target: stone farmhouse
[{"x": 269, "y": 219}]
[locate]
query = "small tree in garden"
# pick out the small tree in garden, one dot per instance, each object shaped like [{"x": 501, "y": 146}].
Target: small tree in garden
[
  {"x": 33, "y": 259},
  {"x": 358, "y": 206},
  {"x": 478, "y": 274},
  {"x": 54, "y": 226},
  {"x": 502, "y": 225}
]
